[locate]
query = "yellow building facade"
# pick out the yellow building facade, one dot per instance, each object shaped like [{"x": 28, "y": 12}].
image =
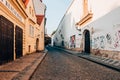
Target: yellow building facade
[{"x": 20, "y": 34}]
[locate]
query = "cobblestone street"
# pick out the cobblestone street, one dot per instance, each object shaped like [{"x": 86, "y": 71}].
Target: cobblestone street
[{"x": 58, "y": 65}]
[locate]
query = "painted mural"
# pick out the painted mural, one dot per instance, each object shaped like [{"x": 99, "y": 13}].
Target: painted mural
[{"x": 72, "y": 41}]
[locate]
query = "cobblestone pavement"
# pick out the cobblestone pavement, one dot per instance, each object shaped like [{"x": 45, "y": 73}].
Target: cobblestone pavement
[
  {"x": 58, "y": 65},
  {"x": 106, "y": 61}
]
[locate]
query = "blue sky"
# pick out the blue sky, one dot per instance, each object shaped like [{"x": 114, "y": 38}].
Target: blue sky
[{"x": 54, "y": 13}]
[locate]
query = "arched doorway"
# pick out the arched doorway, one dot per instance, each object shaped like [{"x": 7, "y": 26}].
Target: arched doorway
[
  {"x": 37, "y": 45},
  {"x": 87, "y": 41}
]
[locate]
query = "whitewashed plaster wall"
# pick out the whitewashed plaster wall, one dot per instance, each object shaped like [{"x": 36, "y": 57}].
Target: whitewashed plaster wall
[
  {"x": 99, "y": 8},
  {"x": 106, "y": 34},
  {"x": 39, "y": 7},
  {"x": 67, "y": 24}
]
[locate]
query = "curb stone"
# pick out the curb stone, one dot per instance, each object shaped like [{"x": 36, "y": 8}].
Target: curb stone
[{"x": 29, "y": 70}]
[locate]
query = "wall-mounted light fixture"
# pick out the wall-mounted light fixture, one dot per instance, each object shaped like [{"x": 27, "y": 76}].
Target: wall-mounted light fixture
[{"x": 78, "y": 27}]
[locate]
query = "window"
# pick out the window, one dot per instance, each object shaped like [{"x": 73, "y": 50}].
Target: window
[
  {"x": 31, "y": 31},
  {"x": 56, "y": 39},
  {"x": 62, "y": 36},
  {"x": 59, "y": 31}
]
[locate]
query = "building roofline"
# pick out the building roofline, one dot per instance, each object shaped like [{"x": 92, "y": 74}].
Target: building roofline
[{"x": 64, "y": 15}]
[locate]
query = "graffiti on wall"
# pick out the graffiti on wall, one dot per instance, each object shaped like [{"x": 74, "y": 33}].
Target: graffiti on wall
[
  {"x": 117, "y": 39},
  {"x": 107, "y": 41},
  {"x": 95, "y": 43},
  {"x": 99, "y": 42},
  {"x": 102, "y": 42}
]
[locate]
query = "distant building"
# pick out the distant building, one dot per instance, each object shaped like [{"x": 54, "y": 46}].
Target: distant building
[
  {"x": 91, "y": 26},
  {"x": 47, "y": 40},
  {"x": 21, "y": 31}
]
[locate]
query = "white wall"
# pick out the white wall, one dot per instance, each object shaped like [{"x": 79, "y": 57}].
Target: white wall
[
  {"x": 39, "y": 7},
  {"x": 107, "y": 31},
  {"x": 67, "y": 24},
  {"x": 103, "y": 19}
]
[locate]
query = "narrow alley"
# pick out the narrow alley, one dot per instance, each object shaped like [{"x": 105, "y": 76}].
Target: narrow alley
[{"x": 59, "y": 65}]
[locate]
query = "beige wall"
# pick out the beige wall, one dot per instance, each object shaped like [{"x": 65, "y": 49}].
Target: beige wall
[
  {"x": 42, "y": 31},
  {"x": 11, "y": 17},
  {"x": 27, "y": 18},
  {"x": 38, "y": 29}
]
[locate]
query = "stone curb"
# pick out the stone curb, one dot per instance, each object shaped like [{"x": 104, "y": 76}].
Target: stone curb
[
  {"x": 112, "y": 66},
  {"x": 38, "y": 64},
  {"x": 29, "y": 70},
  {"x": 110, "y": 63}
]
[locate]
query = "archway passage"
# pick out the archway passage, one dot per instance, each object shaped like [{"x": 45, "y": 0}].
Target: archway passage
[
  {"x": 87, "y": 42},
  {"x": 37, "y": 45}
]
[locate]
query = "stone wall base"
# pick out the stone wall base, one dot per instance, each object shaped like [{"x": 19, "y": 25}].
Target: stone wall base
[
  {"x": 106, "y": 53},
  {"x": 76, "y": 49}
]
